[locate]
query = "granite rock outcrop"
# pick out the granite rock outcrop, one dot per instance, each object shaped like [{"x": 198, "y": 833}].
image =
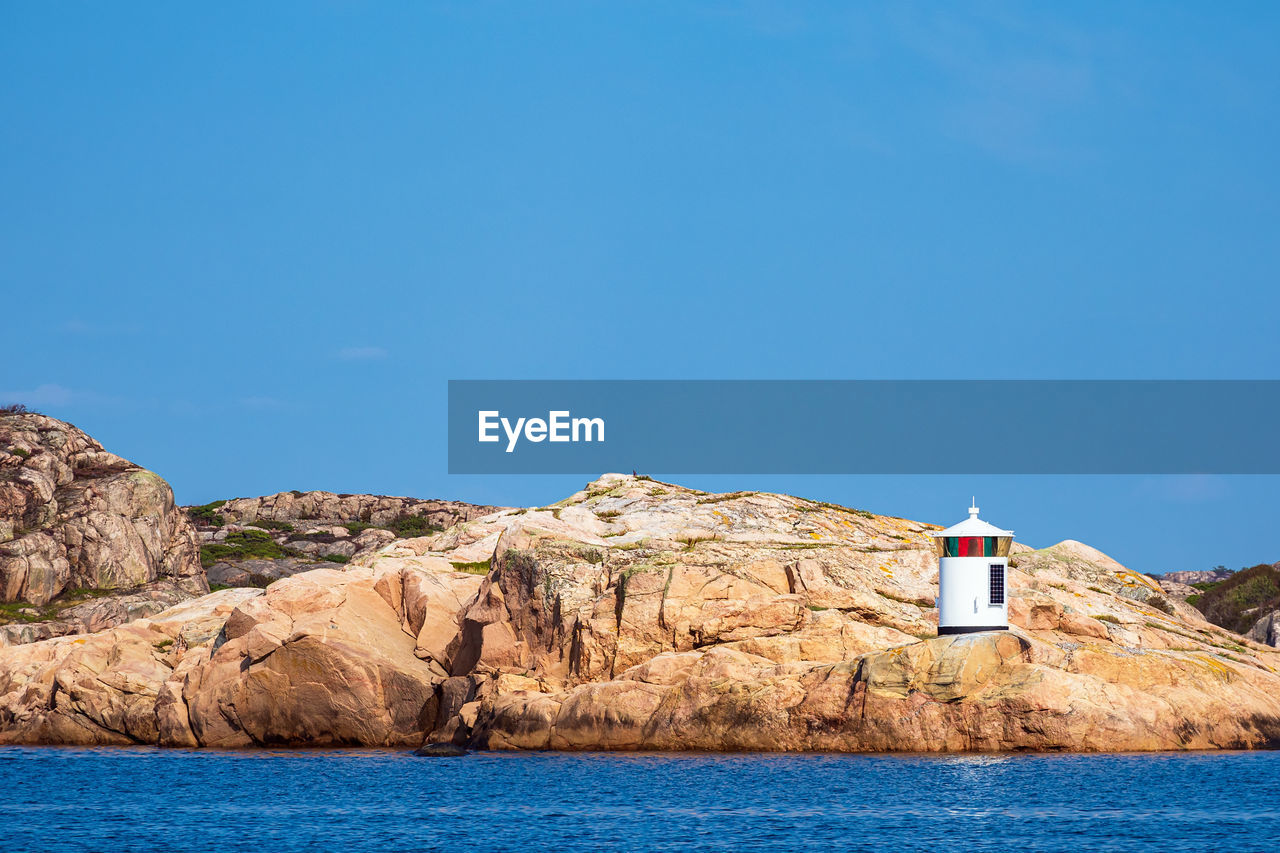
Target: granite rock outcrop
[
  {"x": 76, "y": 517},
  {"x": 643, "y": 615}
]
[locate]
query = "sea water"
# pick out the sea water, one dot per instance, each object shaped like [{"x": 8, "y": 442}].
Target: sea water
[{"x": 140, "y": 799}]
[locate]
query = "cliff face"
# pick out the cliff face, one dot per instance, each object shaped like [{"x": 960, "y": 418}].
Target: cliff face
[
  {"x": 638, "y": 614},
  {"x": 73, "y": 516}
]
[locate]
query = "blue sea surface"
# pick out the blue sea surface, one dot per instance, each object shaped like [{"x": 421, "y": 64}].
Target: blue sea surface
[{"x": 140, "y": 799}]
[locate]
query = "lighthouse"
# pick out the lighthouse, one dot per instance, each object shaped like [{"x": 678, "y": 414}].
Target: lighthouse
[{"x": 973, "y": 570}]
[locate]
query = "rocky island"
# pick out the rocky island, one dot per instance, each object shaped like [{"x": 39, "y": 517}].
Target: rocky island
[{"x": 633, "y": 614}]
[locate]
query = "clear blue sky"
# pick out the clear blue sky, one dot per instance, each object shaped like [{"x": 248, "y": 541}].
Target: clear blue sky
[{"x": 247, "y": 244}]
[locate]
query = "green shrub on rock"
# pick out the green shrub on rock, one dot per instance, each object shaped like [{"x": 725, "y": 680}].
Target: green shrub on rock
[
  {"x": 244, "y": 545},
  {"x": 207, "y": 515},
  {"x": 409, "y": 526}
]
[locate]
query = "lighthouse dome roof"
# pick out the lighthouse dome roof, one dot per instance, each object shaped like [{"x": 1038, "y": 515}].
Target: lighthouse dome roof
[{"x": 973, "y": 526}]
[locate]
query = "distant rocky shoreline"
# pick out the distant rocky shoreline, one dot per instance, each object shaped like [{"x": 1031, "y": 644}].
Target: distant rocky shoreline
[
  {"x": 630, "y": 615},
  {"x": 1189, "y": 578}
]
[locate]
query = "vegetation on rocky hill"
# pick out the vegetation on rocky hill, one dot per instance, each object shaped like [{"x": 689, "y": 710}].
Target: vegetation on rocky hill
[
  {"x": 206, "y": 515},
  {"x": 1237, "y": 602},
  {"x": 21, "y": 611},
  {"x": 244, "y": 545}
]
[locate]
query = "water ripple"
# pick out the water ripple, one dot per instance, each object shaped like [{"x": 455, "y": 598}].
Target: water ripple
[{"x": 58, "y": 799}]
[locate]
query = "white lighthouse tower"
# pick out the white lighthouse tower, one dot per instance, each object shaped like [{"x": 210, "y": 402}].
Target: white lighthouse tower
[{"x": 973, "y": 568}]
